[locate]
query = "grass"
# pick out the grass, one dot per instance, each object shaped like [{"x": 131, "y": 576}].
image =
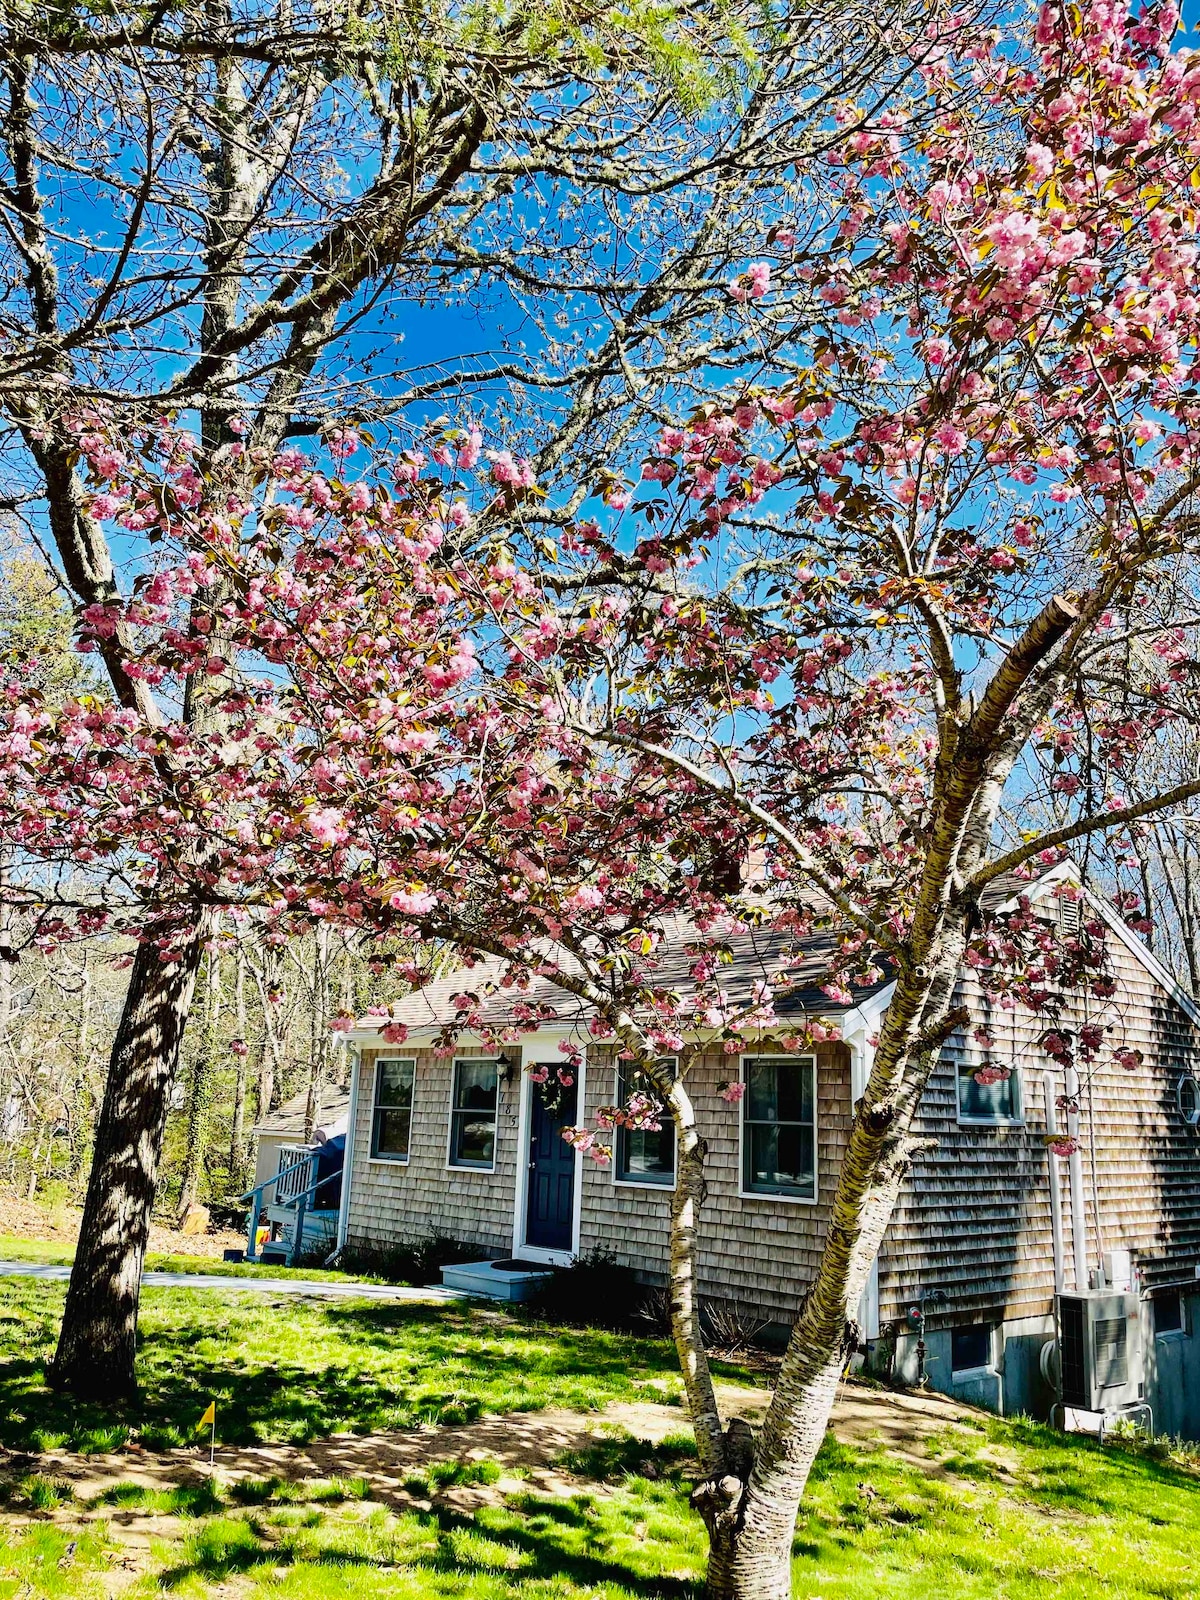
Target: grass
[
  {"x": 297, "y": 1369},
  {"x": 1004, "y": 1511},
  {"x": 55, "y": 1252},
  {"x": 995, "y": 1510}
]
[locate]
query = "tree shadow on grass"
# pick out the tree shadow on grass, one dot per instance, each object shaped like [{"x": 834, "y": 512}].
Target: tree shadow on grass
[
  {"x": 419, "y": 1364},
  {"x": 537, "y": 1549}
]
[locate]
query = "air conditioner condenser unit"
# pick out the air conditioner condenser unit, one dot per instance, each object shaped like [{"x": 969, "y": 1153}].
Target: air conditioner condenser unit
[{"x": 1100, "y": 1349}]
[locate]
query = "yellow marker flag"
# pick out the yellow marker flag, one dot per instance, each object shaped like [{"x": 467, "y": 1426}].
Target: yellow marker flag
[{"x": 209, "y": 1417}]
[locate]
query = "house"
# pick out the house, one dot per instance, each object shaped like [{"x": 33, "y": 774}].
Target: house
[
  {"x": 287, "y": 1166},
  {"x": 963, "y": 1290}
]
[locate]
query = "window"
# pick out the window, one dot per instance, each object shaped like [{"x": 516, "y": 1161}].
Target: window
[
  {"x": 1187, "y": 1098},
  {"x": 473, "y": 1115},
  {"x": 993, "y": 1104},
  {"x": 391, "y": 1123},
  {"x": 779, "y": 1127},
  {"x": 1168, "y": 1312},
  {"x": 643, "y": 1155},
  {"x": 971, "y": 1348}
]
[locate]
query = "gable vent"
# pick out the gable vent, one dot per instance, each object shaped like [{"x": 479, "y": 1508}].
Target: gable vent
[{"x": 1070, "y": 916}]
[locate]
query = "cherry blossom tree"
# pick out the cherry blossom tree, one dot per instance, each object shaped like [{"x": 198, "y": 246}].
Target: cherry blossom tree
[
  {"x": 917, "y": 620},
  {"x": 286, "y": 214}
]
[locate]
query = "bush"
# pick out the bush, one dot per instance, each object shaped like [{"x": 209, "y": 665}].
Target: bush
[
  {"x": 418, "y": 1263},
  {"x": 594, "y": 1291}
]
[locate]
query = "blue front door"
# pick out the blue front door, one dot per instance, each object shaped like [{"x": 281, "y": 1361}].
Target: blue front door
[{"x": 551, "y": 1206}]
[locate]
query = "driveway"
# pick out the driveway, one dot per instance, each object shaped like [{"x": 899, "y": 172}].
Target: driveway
[{"x": 54, "y": 1272}]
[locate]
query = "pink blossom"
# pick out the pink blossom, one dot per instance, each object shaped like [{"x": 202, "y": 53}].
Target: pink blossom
[
  {"x": 414, "y": 900},
  {"x": 327, "y": 825}
]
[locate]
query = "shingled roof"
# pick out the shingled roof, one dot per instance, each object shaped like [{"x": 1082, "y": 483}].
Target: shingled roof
[
  {"x": 287, "y": 1119},
  {"x": 756, "y": 953}
]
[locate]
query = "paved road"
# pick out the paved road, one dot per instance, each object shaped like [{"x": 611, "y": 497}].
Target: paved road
[{"x": 212, "y": 1280}]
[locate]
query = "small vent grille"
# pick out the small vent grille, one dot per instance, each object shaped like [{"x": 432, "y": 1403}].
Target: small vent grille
[
  {"x": 1112, "y": 1368},
  {"x": 1070, "y": 916},
  {"x": 1073, "y": 1332}
]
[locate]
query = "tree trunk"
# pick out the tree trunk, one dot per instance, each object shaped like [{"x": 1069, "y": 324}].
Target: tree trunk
[
  {"x": 96, "y": 1345},
  {"x": 750, "y": 1504},
  {"x": 318, "y": 1031},
  {"x": 750, "y": 1556},
  {"x": 267, "y": 979},
  {"x": 237, "y": 1127},
  {"x": 200, "y": 1099}
]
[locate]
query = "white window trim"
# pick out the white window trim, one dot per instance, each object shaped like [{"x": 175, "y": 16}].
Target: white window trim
[
  {"x": 965, "y": 1120},
  {"x": 644, "y": 1184},
  {"x": 765, "y": 1195},
  {"x": 473, "y": 1166},
  {"x": 390, "y": 1161}
]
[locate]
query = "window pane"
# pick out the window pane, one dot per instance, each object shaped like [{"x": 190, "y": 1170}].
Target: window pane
[
  {"x": 780, "y": 1160},
  {"x": 970, "y": 1347},
  {"x": 995, "y": 1102},
  {"x": 644, "y": 1155},
  {"x": 391, "y": 1133},
  {"x": 794, "y": 1094},
  {"x": 779, "y": 1119},
  {"x": 474, "y": 1139},
  {"x": 761, "y": 1091},
  {"x": 475, "y": 1085},
  {"x": 394, "y": 1083}
]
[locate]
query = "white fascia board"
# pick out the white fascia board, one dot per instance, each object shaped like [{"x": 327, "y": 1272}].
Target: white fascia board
[
  {"x": 424, "y": 1038},
  {"x": 867, "y": 1013}
]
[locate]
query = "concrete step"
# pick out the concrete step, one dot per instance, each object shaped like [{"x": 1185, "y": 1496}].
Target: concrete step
[{"x": 497, "y": 1280}]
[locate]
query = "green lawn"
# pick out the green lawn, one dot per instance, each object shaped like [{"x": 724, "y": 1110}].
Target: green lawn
[
  {"x": 286, "y": 1369},
  {"x": 1010, "y": 1512},
  {"x": 996, "y": 1511}
]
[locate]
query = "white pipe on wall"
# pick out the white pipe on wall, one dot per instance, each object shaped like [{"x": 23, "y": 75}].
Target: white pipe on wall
[
  {"x": 1056, "y": 1221},
  {"x": 1075, "y": 1174}
]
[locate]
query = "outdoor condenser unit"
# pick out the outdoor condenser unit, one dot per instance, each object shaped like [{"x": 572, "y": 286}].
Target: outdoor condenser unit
[{"x": 1100, "y": 1349}]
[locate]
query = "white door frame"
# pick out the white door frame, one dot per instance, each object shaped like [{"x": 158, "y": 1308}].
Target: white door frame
[{"x": 532, "y": 1053}]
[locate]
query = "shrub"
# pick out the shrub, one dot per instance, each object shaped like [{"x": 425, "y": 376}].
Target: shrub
[
  {"x": 416, "y": 1263},
  {"x": 594, "y": 1291}
]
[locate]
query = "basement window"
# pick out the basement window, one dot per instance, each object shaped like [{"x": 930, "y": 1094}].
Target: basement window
[
  {"x": 970, "y": 1349},
  {"x": 1168, "y": 1313}
]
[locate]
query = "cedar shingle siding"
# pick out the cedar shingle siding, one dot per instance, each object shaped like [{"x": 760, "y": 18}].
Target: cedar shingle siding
[
  {"x": 394, "y": 1202},
  {"x": 974, "y": 1216},
  {"x": 756, "y": 1251}
]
